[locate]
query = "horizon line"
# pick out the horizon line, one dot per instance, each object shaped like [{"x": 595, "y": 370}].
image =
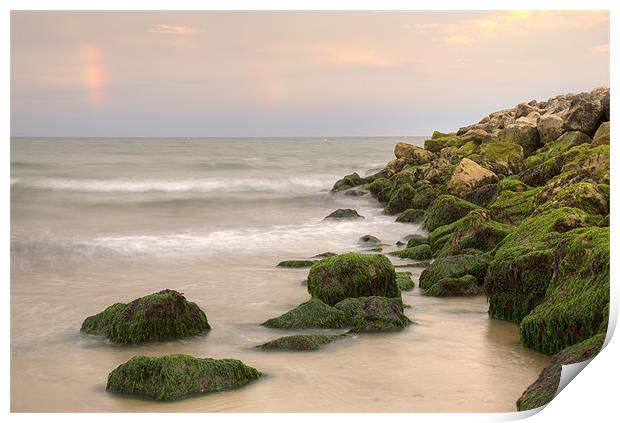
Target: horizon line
[{"x": 217, "y": 136}]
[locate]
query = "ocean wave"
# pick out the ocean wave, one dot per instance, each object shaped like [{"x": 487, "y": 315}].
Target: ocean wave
[{"x": 136, "y": 186}]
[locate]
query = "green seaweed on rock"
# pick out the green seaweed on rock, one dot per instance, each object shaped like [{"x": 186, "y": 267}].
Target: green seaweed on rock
[
  {"x": 305, "y": 342},
  {"x": 311, "y": 314},
  {"x": 446, "y": 209},
  {"x": 373, "y": 314}
]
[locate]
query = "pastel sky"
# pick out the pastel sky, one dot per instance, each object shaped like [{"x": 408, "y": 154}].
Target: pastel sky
[{"x": 291, "y": 73}]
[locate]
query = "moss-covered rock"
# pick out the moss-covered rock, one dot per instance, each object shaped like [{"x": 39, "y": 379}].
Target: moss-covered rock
[
  {"x": 543, "y": 390},
  {"x": 411, "y": 216},
  {"x": 344, "y": 214},
  {"x": 511, "y": 207},
  {"x": 501, "y": 157},
  {"x": 424, "y": 195},
  {"x": 415, "y": 240},
  {"x": 524, "y": 135},
  {"x": 157, "y": 317},
  {"x": 587, "y": 196},
  {"x": 522, "y": 267},
  {"x": 417, "y": 155},
  {"x": 454, "y": 267},
  {"x": 576, "y": 303},
  {"x": 305, "y": 342},
  {"x": 352, "y": 275},
  {"x": 602, "y": 135},
  {"x": 379, "y": 185},
  {"x": 446, "y": 209},
  {"x": 400, "y": 199},
  {"x": 325, "y": 254},
  {"x": 372, "y": 314},
  {"x": 404, "y": 281},
  {"x": 419, "y": 252},
  {"x": 465, "y": 286},
  {"x": 369, "y": 239},
  {"x": 311, "y": 314},
  {"x": 178, "y": 376},
  {"x": 296, "y": 263},
  {"x": 476, "y": 232},
  {"x": 349, "y": 181},
  {"x": 483, "y": 195}
]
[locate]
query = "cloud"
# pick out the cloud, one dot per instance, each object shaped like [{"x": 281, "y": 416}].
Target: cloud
[
  {"x": 173, "y": 29},
  {"x": 600, "y": 49}
]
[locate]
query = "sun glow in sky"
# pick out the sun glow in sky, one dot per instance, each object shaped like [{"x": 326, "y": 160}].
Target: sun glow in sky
[{"x": 292, "y": 73}]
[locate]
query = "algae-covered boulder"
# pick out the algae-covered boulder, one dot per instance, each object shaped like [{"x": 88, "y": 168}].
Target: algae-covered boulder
[
  {"x": 414, "y": 240},
  {"x": 347, "y": 182},
  {"x": 311, "y": 314},
  {"x": 511, "y": 207},
  {"x": 344, "y": 214},
  {"x": 523, "y": 134},
  {"x": 178, "y": 376},
  {"x": 379, "y": 185},
  {"x": 576, "y": 302},
  {"x": 400, "y": 199},
  {"x": 468, "y": 176},
  {"x": 583, "y": 195},
  {"x": 157, "y": 317},
  {"x": 296, "y": 263},
  {"x": 454, "y": 267},
  {"x": 446, "y": 209},
  {"x": 502, "y": 157},
  {"x": 543, "y": 390},
  {"x": 518, "y": 276},
  {"x": 483, "y": 195},
  {"x": 325, "y": 254},
  {"x": 305, "y": 342},
  {"x": 465, "y": 286},
  {"x": 404, "y": 281},
  {"x": 417, "y": 155},
  {"x": 419, "y": 252},
  {"x": 601, "y": 136},
  {"x": 372, "y": 314},
  {"x": 476, "y": 232},
  {"x": 411, "y": 216},
  {"x": 369, "y": 239},
  {"x": 352, "y": 275}
]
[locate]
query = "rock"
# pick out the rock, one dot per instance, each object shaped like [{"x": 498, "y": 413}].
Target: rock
[
  {"x": 306, "y": 342},
  {"x": 454, "y": 267},
  {"x": 483, "y": 195},
  {"x": 352, "y": 275},
  {"x": 585, "y": 114},
  {"x": 419, "y": 252},
  {"x": 468, "y": 176},
  {"x": 522, "y": 134},
  {"x": 296, "y": 263},
  {"x": 446, "y": 209},
  {"x": 311, "y": 314},
  {"x": 373, "y": 314},
  {"x": 400, "y": 199},
  {"x": 157, "y": 317},
  {"x": 550, "y": 127},
  {"x": 474, "y": 233},
  {"x": 582, "y": 195},
  {"x": 511, "y": 207},
  {"x": 424, "y": 195},
  {"x": 369, "y": 239},
  {"x": 576, "y": 302},
  {"x": 544, "y": 389},
  {"x": 347, "y": 182},
  {"x": 437, "y": 134},
  {"x": 439, "y": 171},
  {"x": 379, "y": 185},
  {"x": 415, "y": 240},
  {"x": 411, "y": 216},
  {"x": 173, "y": 377},
  {"x": 356, "y": 192},
  {"x": 520, "y": 272},
  {"x": 465, "y": 286},
  {"x": 602, "y": 135},
  {"x": 501, "y": 157},
  {"x": 344, "y": 214},
  {"x": 404, "y": 281},
  {"x": 417, "y": 155},
  {"x": 325, "y": 254}
]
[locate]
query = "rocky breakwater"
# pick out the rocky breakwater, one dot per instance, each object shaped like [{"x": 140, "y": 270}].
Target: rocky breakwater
[{"x": 517, "y": 207}]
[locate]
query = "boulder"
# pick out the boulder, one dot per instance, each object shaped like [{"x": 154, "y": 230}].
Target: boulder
[
  {"x": 369, "y": 239},
  {"x": 511, "y": 207},
  {"x": 161, "y": 316},
  {"x": 582, "y": 195},
  {"x": 502, "y": 157},
  {"x": 174, "y": 377},
  {"x": 585, "y": 114},
  {"x": 483, "y": 195},
  {"x": 344, "y": 214},
  {"x": 464, "y": 286},
  {"x": 419, "y": 252},
  {"x": 404, "y": 281},
  {"x": 415, "y": 240},
  {"x": 296, "y": 263},
  {"x": 468, "y": 176},
  {"x": 305, "y": 342},
  {"x": 373, "y": 314},
  {"x": 411, "y": 216},
  {"x": 347, "y": 182},
  {"x": 454, "y": 267},
  {"x": 416, "y": 155},
  {"x": 602, "y": 135},
  {"x": 524, "y": 135},
  {"x": 550, "y": 127},
  {"x": 446, "y": 209},
  {"x": 352, "y": 275},
  {"x": 400, "y": 199},
  {"x": 311, "y": 314}
]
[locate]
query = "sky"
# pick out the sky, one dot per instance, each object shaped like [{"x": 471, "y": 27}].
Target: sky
[{"x": 262, "y": 73}]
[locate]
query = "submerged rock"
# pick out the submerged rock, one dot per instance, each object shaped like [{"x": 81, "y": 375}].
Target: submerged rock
[
  {"x": 173, "y": 377},
  {"x": 347, "y": 182},
  {"x": 344, "y": 214},
  {"x": 311, "y": 314},
  {"x": 543, "y": 390},
  {"x": 352, "y": 275},
  {"x": 325, "y": 254},
  {"x": 296, "y": 263},
  {"x": 372, "y": 314},
  {"x": 306, "y": 342},
  {"x": 369, "y": 239},
  {"x": 157, "y": 317}
]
